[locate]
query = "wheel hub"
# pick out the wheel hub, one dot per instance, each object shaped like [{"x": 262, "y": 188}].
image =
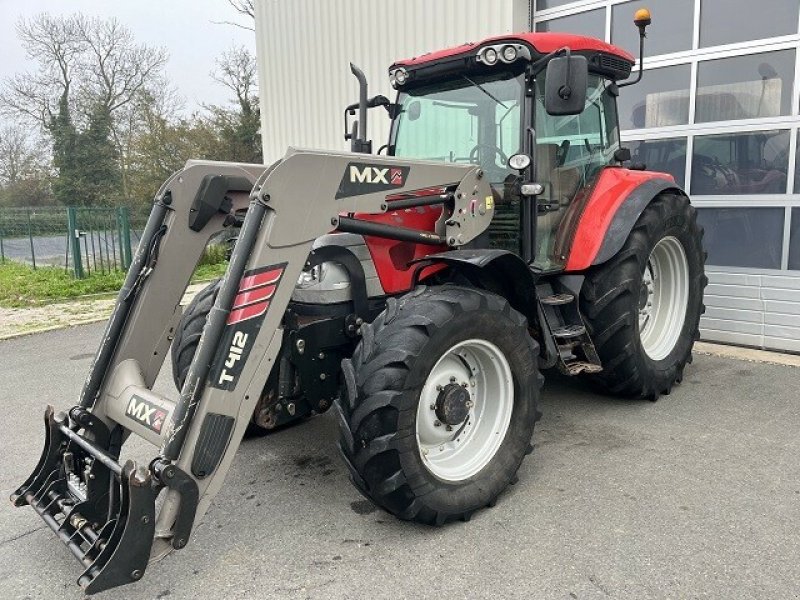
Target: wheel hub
[
  {"x": 453, "y": 404},
  {"x": 464, "y": 409}
]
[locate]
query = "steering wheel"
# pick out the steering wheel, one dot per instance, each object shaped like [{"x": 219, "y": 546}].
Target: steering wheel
[{"x": 473, "y": 154}]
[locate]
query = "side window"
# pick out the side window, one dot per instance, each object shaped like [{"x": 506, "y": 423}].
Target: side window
[
  {"x": 570, "y": 151},
  {"x": 580, "y": 143}
]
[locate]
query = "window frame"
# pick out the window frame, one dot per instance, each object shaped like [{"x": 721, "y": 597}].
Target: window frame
[{"x": 693, "y": 57}]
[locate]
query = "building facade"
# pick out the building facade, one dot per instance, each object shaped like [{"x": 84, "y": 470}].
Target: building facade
[{"x": 719, "y": 108}]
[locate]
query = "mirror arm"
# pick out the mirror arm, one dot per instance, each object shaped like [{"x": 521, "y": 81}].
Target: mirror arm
[
  {"x": 540, "y": 64},
  {"x": 642, "y": 35}
]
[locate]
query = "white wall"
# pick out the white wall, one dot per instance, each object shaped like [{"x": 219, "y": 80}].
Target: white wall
[{"x": 304, "y": 47}]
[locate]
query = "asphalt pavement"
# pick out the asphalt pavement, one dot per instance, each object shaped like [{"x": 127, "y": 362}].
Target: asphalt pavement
[{"x": 694, "y": 496}]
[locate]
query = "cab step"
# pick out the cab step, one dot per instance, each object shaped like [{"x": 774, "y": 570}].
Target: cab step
[
  {"x": 558, "y": 299},
  {"x": 569, "y": 331},
  {"x": 570, "y": 345}
]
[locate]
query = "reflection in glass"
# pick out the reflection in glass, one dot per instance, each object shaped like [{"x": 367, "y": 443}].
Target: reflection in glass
[
  {"x": 666, "y": 156},
  {"x": 743, "y": 237},
  {"x": 794, "y": 241},
  {"x": 729, "y": 21},
  {"x": 797, "y": 168},
  {"x": 544, "y": 4},
  {"x": 591, "y": 23},
  {"x": 745, "y": 87},
  {"x": 741, "y": 163},
  {"x": 671, "y": 30},
  {"x": 660, "y": 99}
]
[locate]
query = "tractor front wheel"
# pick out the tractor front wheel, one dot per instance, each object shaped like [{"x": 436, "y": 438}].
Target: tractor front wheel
[
  {"x": 439, "y": 404},
  {"x": 643, "y": 306},
  {"x": 187, "y": 338}
]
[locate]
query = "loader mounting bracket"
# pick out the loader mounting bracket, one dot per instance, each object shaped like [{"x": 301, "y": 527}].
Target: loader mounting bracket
[{"x": 212, "y": 198}]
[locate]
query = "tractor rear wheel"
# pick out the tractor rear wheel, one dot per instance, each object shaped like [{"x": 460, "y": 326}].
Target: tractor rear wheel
[
  {"x": 439, "y": 403},
  {"x": 643, "y": 306}
]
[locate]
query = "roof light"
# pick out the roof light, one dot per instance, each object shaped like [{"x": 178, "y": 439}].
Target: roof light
[
  {"x": 398, "y": 77},
  {"x": 509, "y": 54}
]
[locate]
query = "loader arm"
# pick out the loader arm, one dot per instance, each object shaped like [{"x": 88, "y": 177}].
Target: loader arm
[{"x": 105, "y": 510}]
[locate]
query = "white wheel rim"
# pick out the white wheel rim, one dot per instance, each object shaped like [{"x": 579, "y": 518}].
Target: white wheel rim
[
  {"x": 458, "y": 451},
  {"x": 663, "y": 298}
]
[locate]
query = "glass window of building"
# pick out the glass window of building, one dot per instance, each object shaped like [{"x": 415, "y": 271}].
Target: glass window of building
[
  {"x": 660, "y": 99},
  {"x": 671, "y": 30},
  {"x": 745, "y": 87},
  {"x": 794, "y": 241},
  {"x": 740, "y": 163},
  {"x": 591, "y": 23},
  {"x": 545, "y": 4},
  {"x": 667, "y": 156},
  {"x": 743, "y": 237},
  {"x": 797, "y": 167},
  {"x": 730, "y": 21}
]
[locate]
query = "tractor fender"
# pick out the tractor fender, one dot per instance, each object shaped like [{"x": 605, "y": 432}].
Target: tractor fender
[
  {"x": 498, "y": 271},
  {"x": 612, "y": 212}
]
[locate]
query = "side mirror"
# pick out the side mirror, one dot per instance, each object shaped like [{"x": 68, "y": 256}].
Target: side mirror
[
  {"x": 566, "y": 84},
  {"x": 414, "y": 110}
]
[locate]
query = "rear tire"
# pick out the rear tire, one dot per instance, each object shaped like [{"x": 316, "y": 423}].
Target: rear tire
[
  {"x": 643, "y": 306},
  {"x": 388, "y": 439}
]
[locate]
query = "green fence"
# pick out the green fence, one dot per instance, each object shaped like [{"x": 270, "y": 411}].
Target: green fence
[{"x": 79, "y": 239}]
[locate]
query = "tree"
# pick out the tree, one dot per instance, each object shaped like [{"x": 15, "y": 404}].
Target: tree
[
  {"x": 239, "y": 129},
  {"x": 90, "y": 80},
  {"x": 24, "y": 175}
]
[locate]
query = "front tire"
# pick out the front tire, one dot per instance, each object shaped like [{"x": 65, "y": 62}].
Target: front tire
[
  {"x": 187, "y": 338},
  {"x": 643, "y": 306},
  {"x": 440, "y": 403}
]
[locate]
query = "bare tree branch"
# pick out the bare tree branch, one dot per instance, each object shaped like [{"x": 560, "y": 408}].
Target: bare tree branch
[
  {"x": 237, "y": 71},
  {"x": 246, "y": 8}
]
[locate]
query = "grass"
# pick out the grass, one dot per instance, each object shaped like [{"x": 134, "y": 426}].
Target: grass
[{"x": 21, "y": 285}]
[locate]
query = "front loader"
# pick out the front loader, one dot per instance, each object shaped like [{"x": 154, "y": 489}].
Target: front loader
[{"x": 418, "y": 293}]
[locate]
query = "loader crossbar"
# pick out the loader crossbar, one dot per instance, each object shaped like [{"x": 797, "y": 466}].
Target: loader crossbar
[{"x": 104, "y": 509}]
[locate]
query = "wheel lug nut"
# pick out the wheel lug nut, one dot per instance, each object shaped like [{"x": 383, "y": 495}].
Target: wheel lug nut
[
  {"x": 469, "y": 403},
  {"x": 437, "y": 423},
  {"x": 433, "y": 407},
  {"x": 465, "y": 384},
  {"x": 449, "y": 428},
  {"x": 439, "y": 388},
  {"x": 452, "y": 380}
]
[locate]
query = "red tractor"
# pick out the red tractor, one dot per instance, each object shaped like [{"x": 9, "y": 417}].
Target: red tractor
[{"x": 420, "y": 291}]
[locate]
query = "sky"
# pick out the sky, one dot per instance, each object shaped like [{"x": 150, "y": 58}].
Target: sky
[{"x": 185, "y": 28}]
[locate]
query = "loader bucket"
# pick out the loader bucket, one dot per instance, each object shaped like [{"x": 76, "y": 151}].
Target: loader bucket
[{"x": 102, "y": 511}]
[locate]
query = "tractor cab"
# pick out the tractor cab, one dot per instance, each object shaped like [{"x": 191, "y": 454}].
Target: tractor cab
[
  {"x": 546, "y": 100},
  {"x": 538, "y": 113}
]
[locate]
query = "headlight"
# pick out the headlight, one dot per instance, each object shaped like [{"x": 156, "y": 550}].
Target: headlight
[
  {"x": 490, "y": 56},
  {"x": 509, "y": 54},
  {"x": 324, "y": 277}
]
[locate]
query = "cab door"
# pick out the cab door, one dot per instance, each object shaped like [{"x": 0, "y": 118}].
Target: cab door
[{"x": 570, "y": 151}]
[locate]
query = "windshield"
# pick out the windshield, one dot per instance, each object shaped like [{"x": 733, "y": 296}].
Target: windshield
[{"x": 473, "y": 119}]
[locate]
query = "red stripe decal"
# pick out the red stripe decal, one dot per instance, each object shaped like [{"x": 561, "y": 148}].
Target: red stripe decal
[
  {"x": 248, "y": 312},
  {"x": 259, "y": 279},
  {"x": 253, "y": 295}
]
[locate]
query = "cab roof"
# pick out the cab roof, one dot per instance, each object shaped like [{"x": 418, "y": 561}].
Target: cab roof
[{"x": 542, "y": 43}]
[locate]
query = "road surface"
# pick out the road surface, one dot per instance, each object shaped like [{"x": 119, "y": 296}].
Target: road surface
[{"x": 695, "y": 496}]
